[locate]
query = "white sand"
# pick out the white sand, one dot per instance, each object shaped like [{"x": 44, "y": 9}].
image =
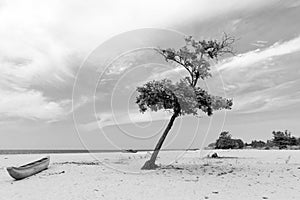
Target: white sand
[{"x": 254, "y": 174}]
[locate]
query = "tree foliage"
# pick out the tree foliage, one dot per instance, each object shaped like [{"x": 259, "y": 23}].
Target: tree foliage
[
  {"x": 225, "y": 141},
  {"x": 257, "y": 144},
  {"x": 195, "y": 55},
  {"x": 179, "y": 97},
  {"x": 185, "y": 97},
  {"x": 225, "y": 135},
  {"x": 282, "y": 139}
]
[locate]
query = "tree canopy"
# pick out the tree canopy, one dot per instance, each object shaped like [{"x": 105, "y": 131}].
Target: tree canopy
[
  {"x": 225, "y": 141},
  {"x": 185, "y": 97},
  {"x": 195, "y": 56},
  {"x": 179, "y": 97},
  {"x": 281, "y": 139}
]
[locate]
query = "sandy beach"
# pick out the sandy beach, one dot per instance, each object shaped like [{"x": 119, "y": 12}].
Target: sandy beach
[
  {"x": 125, "y": 78},
  {"x": 240, "y": 174}
]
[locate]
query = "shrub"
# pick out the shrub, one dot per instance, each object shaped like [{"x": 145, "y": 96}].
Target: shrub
[{"x": 226, "y": 142}]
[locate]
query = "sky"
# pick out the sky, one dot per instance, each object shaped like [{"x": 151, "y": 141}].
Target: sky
[{"x": 69, "y": 70}]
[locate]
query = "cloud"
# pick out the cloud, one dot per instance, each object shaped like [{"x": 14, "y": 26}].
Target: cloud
[
  {"x": 29, "y": 53},
  {"x": 262, "y": 80},
  {"x": 260, "y": 90},
  {"x": 260, "y": 43},
  {"x": 43, "y": 42},
  {"x": 252, "y": 57},
  {"x": 29, "y": 104},
  {"x": 242, "y": 61},
  {"x": 277, "y": 103},
  {"x": 133, "y": 117},
  {"x": 260, "y": 102}
]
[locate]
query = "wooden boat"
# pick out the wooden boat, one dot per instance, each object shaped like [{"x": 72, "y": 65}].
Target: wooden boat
[{"x": 29, "y": 169}]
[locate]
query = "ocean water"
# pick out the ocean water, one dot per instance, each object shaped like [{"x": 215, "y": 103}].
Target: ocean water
[{"x": 52, "y": 151}]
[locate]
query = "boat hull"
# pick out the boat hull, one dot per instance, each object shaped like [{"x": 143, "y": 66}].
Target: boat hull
[{"x": 30, "y": 169}]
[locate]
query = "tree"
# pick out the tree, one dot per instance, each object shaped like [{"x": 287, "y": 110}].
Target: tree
[
  {"x": 184, "y": 97},
  {"x": 293, "y": 141},
  {"x": 270, "y": 144},
  {"x": 225, "y": 141},
  {"x": 258, "y": 144},
  {"x": 239, "y": 144},
  {"x": 281, "y": 139},
  {"x": 225, "y": 135}
]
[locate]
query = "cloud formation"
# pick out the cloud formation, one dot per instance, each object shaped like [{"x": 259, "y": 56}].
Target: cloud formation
[
  {"x": 262, "y": 80},
  {"x": 258, "y": 55},
  {"x": 29, "y": 104},
  {"x": 105, "y": 119},
  {"x": 40, "y": 41}
]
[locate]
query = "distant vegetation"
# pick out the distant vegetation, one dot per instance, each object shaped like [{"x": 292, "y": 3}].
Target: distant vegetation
[
  {"x": 280, "y": 140},
  {"x": 283, "y": 140},
  {"x": 226, "y": 142}
]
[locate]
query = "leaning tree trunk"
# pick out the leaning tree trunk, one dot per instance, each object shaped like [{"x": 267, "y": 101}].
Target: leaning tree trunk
[{"x": 150, "y": 164}]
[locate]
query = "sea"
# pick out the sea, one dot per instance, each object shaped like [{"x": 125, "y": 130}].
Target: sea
[{"x": 52, "y": 151}]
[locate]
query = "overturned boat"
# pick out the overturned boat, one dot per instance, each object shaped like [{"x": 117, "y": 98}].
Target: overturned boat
[{"x": 29, "y": 169}]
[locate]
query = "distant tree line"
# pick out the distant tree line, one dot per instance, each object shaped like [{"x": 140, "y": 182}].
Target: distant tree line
[{"x": 280, "y": 140}]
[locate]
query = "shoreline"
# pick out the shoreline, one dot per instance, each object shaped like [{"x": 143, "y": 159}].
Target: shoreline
[{"x": 72, "y": 151}]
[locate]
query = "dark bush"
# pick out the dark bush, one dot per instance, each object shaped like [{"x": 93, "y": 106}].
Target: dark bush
[
  {"x": 283, "y": 139},
  {"x": 257, "y": 144},
  {"x": 226, "y": 142}
]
